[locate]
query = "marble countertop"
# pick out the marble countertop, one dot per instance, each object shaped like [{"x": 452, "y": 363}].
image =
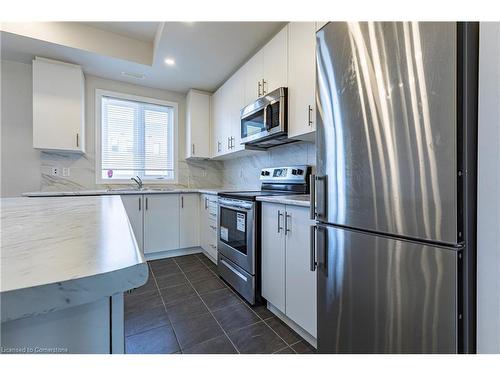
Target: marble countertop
[
  {"x": 124, "y": 191},
  {"x": 77, "y": 249},
  {"x": 295, "y": 200}
]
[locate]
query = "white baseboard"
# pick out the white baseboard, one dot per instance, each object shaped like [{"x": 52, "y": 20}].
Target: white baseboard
[
  {"x": 173, "y": 253},
  {"x": 289, "y": 322}
]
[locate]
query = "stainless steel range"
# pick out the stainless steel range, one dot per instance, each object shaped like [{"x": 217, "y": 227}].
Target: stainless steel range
[{"x": 239, "y": 227}]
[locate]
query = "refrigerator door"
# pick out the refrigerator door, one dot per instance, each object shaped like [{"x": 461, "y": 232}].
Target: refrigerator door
[
  {"x": 382, "y": 295},
  {"x": 387, "y": 128}
]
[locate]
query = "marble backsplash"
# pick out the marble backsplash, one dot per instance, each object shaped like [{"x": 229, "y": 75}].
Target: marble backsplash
[
  {"x": 191, "y": 174},
  {"x": 244, "y": 172},
  {"x": 237, "y": 173}
]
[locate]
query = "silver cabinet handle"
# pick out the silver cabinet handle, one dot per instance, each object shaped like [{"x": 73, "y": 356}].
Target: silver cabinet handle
[
  {"x": 182, "y": 201},
  {"x": 287, "y": 229},
  {"x": 312, "y": 187},
  {"x": 206, "y": 203},
  {"x": 313, "y": 247},
  {"x": 263, "y": 86},
  {"x": 309, "y": 115},
  {"x": 232, "y": 142},
  {"x": 218, "y": 146},
  {"x": 259, "y": 84},
  {"x": 279, "y": 221},
  {"x": 146, "y": 203},
  {"x": 77, "y": 140},
  {"x": 228, "y": 143},
  {"x": 192, "y": 149},
  {"x": 139, "y": 203}
]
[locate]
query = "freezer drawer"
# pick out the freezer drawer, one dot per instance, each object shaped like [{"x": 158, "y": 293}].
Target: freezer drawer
[
  {"x": 382, "y": 295},
  {"x": 387, "y": 128}
]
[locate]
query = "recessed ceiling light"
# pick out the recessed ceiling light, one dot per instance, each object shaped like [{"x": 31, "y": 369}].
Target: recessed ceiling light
[{"x": 170, "y": 61}]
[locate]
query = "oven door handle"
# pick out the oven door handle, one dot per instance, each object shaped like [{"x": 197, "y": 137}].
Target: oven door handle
[{"x": 236, "y": 205}]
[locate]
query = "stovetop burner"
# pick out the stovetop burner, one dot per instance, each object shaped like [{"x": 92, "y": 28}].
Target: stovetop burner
[{"x": 276, "y": 181}]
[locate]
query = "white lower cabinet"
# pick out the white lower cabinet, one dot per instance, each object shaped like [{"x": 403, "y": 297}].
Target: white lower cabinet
[
  {"x": 208, "y": 224},
  {"x": 189, "y": 230},
  {"x": 161, "y": 222},
  {"x": 287, "y": 281},
  {"x": 273, "y": 254},
  {"x": 300, "y": 281},
  {"x": 134, "y": 205}
]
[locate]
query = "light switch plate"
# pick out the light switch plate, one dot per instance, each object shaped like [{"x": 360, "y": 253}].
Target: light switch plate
[{"x": 65, "y": 172}]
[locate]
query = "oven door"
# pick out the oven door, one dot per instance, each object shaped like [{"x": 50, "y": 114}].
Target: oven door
[{"x": 235, "y": 232}]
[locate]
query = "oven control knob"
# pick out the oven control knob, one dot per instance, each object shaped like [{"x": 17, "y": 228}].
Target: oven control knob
[
  {"x": 266, "y": 173},
  {"x": 300, "y": 171},
  {"x": 262, "y": 173},
  {"x": 294, "y": 172}
]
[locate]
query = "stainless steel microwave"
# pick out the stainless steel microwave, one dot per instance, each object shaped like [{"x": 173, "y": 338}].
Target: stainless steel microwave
[{"x": 264, "y": 123}]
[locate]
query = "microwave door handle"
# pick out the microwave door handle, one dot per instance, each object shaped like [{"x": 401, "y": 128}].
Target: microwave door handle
[{"x": 268, "y": 112}]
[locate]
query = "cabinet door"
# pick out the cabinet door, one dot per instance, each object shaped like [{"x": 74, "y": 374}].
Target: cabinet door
[
  {"x": 189, "y": 225},
  {"x": 134, "y": 205},
  {"x": 204, "y": 222},
  {"x": 236, "y": 101},
  {"x": 275, "y": 61},
  {"x": 161, "y": 222},
  {"x": 253, "y": 72},
  {"x": 58, "y": 106},
  {"x": 273, "y": 254},
  {"x": 197, "y": 124},
  {"x": 221, "y": 121},
  {"x": 301, "y": 78},
  {"x": 300, "y": 280}
]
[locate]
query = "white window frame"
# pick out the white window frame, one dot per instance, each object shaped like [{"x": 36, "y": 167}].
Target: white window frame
[{"x": 99, "y": 94}]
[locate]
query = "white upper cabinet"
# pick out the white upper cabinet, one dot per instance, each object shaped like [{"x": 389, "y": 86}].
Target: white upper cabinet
[
  {"x": 301, "y": 80},
  {"x": 58, "y": 106},
  {"x": 197, "y": 125},
  {"x": 189, "y": 217},
  {"x": 219, "y": 123},
  {"x": 275, "y": 56},
  {"x": 266, "y": 70},
  {"x": 253, "y": 72},
  {"x": 236, "y": 101}
]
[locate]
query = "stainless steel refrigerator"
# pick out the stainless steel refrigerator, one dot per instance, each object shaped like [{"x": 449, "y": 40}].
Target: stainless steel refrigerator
[{"x": 395, "y": 186}]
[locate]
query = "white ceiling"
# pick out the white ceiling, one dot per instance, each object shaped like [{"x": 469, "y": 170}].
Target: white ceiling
[
  {"x": 144, "y": 31},
  {"x": 206, "y": 53}
]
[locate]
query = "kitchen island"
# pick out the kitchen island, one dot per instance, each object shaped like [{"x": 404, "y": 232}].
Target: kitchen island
[{"x": 65, "y": 264}]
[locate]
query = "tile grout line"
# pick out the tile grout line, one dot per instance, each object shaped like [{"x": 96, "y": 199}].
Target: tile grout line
[
  {"x": 201, "y": 299},
  {"x": 264, "y": 321},
  {"x": 165, "y": 306},
  {"x": 261, "y": 320},
  {"x": 258, "y": 316}
]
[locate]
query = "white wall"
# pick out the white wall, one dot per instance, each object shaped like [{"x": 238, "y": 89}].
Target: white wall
[
  {"x": 488, "y": 226},
  {"x": 20, "y": 163},
  {"x": 25, "y": 169}
]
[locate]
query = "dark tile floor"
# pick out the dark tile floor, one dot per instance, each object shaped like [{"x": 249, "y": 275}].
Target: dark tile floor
[{"x": 185, "y": 308}]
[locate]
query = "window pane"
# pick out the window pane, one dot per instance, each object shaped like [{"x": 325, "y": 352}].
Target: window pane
[{"x": 137, "y": 139}]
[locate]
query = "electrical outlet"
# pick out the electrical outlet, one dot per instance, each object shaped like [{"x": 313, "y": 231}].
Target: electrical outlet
[
  {"x": 55, "y": 171},
  {"x": 65, "y": 172}
]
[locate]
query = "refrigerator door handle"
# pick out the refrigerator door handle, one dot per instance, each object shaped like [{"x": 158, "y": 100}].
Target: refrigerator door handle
[
  {"x": 312, "y": 188},
  {"x": 320, "y": 248},
  {"x": 313, "y": 247},
  {"x": 320, "y": 197}
]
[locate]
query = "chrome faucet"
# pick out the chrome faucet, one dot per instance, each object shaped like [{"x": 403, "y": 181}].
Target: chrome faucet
[{"x": 138, "y": 181}]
